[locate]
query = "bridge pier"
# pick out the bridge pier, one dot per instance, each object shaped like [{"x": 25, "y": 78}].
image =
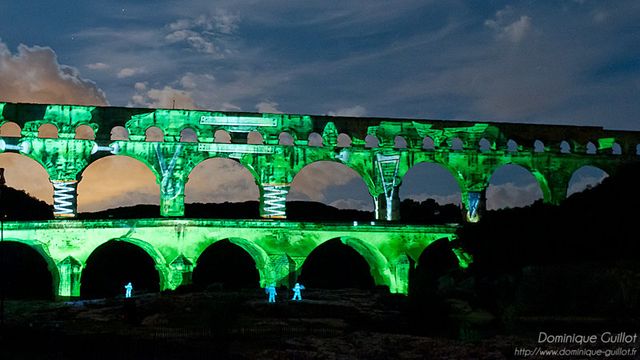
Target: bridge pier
[
  {"x": 70, "y": 271},
  {"x": 180, "y": 272},
  {"x": 387, "y": 208}
]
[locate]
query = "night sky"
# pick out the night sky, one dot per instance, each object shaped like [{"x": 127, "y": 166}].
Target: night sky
[{"x": 561, "y": 62}]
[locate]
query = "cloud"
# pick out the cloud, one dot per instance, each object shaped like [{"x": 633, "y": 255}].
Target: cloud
[
  {"x": 128, "y": 72},
  {"x": 584, "y": 182},
  {"x": 167, "y": 98},
  {"x": 514, "y": 31},
  {"x": 355, "y": 111},
  {"x": 98, "y": 66},
  {"x": 314, "y": 180},
  {"x": 220, "y": 180},
  {"x": 510, "y": 195},
  {"x": 268, "y": 107},
  {"x": 440, "y": 199},
  {"x": 353, "y": 204},
  {"x": 205, "y": 34},
  {"x": 34, "y": 75}
]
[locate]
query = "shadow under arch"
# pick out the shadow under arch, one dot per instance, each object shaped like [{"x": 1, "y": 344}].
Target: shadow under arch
[
  {"x": 106, "y": 173},
  {"x": 42, "y": 251},
  {"x": 517, "y": 173},
  {"x": 257, "y": 254},
  {"x": 378, "y": 267},
  {"x": 139, "y": 263}
]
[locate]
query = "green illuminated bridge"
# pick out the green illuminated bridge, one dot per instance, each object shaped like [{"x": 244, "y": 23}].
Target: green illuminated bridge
[{"x": 274, "y": 148}]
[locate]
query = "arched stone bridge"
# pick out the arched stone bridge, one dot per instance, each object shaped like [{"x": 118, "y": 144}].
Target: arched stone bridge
[
  {"x": 381, "y": 151},
  {"x": 274, "y": 148},
  {"x": 278, "y": 248}
]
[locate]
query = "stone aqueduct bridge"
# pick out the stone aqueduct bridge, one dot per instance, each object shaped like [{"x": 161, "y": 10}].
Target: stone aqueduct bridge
[{"x": 380, "y": 150}]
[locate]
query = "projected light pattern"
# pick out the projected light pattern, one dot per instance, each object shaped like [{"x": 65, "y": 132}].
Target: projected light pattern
[
  {"x": 386, "y": 246},
  {"x": 275, "y": 196},
  {"x": 388, "y": 172},
  {"x": 64, "y": 198},
  {"x": 278, "y": 248},
  {"x": 474, "y": 203}
]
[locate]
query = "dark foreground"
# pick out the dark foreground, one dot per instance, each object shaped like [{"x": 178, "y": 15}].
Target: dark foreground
[{"x": 332, "y": 324}]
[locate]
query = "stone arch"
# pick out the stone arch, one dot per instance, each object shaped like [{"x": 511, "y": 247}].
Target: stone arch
[
  {"x": 188, "y": 134},
  {"x": 616, "y": 149},
  {"x": 257, "y": 253},
  {"x": 512, "y": 146},
  {"x": 343, "y": 140},
  {"x": 315, "y": 139},
  {"x": 538, "y": 146},
  {"x": 399, "y": 142},
  {"x": 48, "y": 131},
  {"x": 565, "y": 147},
  {"x": 522, "y": 168},
  {"x": 10, "y": 129},
  {"x": 371, "y": 142},
  {"x": 366, "y": 179},
  {"x": 19, "y": 167},
  {"x": 119, "y": 133},
  {"x": 571, "y": 185},
  {"x": 222, "y": 136},
  {"x": 156, "y": 257},
  {"x": 154, "y": 134},
  {"x": 456, "y": 144},
  {"x": 42, "y": 250},
  {"x": 455, "y": 174},
  {"x": 591, "y": 148},
  {"x": 255, "y": 138},
  {"x": 428, "y": 143},
  {"x": 378, "y": 263},
  {"x": 484, "y": 145},
  {"x": 97, "y": 179},
  {"x": 85, "y": 132},
  {"x": 193, "y": 177},
  {"x": 286, "y": 138}
]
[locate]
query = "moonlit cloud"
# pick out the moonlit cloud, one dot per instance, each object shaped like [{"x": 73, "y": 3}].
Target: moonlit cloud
[
  {"x": 98, "y": 66},
  {"x": 356, "y": 111},
  {"x": 128, "y": 72},
  {"x": 33, "y": 74}
]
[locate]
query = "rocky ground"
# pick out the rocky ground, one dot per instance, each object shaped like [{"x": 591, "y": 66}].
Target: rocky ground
[{"x": 336, "y": 324}]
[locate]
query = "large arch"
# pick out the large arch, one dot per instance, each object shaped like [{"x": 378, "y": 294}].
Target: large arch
[
  {"x": 513, "y": 185},
  {"x": 259, "y": 256},
  {"x": 210, "y": 179},
  {"x": 122, "y": 260},
  {"x": 26, "y": 174},
  {"x": 331, "y": 183},
  {"x": 117, "y": 181},
  {"x": 430, "y": 192},
  {"x": 28, "y": 268},
  {"x": 331, "y": 253},
  {"x": 226, "y": 263},
  {"x": 584, "y": 178}
]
